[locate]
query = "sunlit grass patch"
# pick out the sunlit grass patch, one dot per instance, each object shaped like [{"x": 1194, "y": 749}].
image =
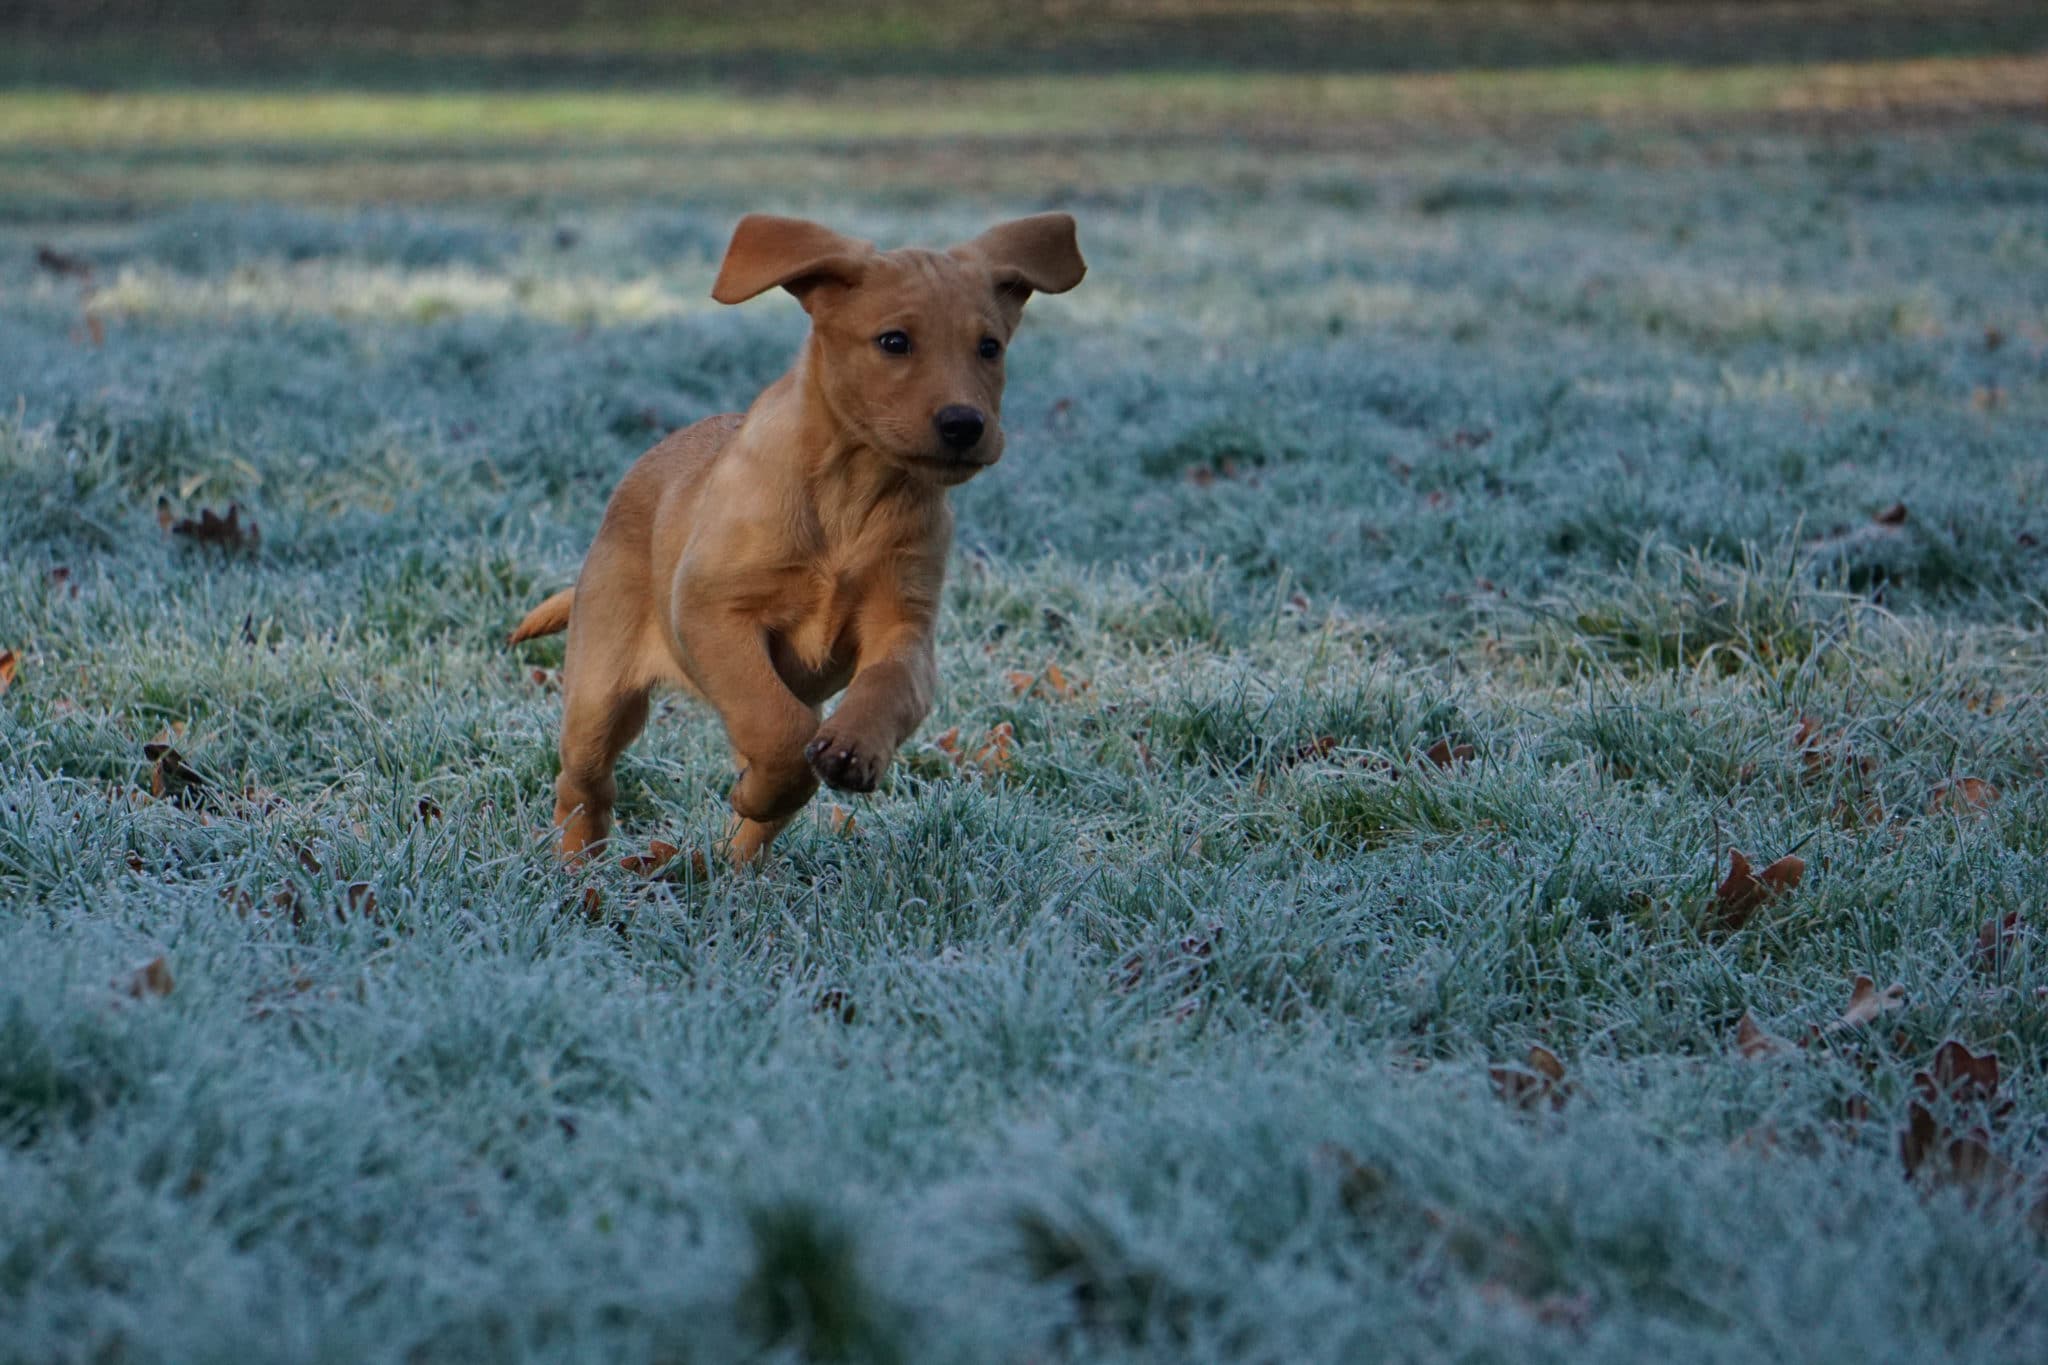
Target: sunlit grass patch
[{"x": 1687, "y": 612}]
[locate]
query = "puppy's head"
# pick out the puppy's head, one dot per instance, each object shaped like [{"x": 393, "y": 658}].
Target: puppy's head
[{"x": 907, "y": 346}]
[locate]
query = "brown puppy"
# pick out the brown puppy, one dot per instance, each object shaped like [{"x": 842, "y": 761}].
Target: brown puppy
[{"x": 766, "y": 561}]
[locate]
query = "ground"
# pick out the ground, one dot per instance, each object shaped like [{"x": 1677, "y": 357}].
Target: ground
[{"x": 1458, "y": 514}]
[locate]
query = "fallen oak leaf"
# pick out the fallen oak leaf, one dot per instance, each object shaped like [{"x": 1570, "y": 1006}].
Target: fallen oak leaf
[
  {"x": 151, "y": 978},
  {"x": 1965, "y": 1159},
  {"x": 1894, "y": 515},
  {"x": 1540, "y": 1080},
  {"x": 1742, "y": 891},
  {"x": 1754, "y": 1041},
  {"x": 657, "y": 856},
  {"x": 994, "y": 754},
  {"x": 839, "y": 819},
  {"x": 1319, "y": 747},
  {"x": 210, "y": 528},
  {"x": 1053, "y": 683},
  {"x": 1445, "y": 754},
  {"x": 1996, "y": 939},
  {"x": 1960, "y": 1074},
  {"x": 172, "y": 779},
  {"x": 835, "y": 1000},
  {"x": 1963, "y": 796},
  {"x": 9, "y": 663},
  {"x": 1867, "y": 1002},
  {"x": 1062, "y": 687},
  {"x": 360, "y": 898}
]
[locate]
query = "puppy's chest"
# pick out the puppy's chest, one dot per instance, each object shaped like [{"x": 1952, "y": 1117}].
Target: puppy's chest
[{"x": 821, "y": 613}]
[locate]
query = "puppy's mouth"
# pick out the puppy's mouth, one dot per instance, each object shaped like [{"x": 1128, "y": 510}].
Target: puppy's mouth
[{"x": 951, "y": 467}]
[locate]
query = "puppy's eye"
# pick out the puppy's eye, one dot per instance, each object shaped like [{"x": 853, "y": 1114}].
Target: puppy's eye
[
  {"x": 895, "y": 343},
  {"x": 990, "y": 348}
]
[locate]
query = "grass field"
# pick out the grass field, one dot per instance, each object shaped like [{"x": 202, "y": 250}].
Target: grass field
[{"x": 1457, "y": 511}]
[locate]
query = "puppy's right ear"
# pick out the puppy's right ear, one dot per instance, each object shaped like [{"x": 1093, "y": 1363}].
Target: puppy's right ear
[{"x": 767, "y": 251}]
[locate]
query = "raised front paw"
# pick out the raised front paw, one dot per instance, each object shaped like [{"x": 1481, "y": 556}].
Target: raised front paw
[{"x": 846, "y": 762}]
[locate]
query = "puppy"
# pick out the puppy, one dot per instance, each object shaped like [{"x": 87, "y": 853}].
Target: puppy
[{"x": 767, "y": 561}]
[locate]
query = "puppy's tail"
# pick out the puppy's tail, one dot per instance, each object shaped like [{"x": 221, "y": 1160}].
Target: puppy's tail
[{"x": 548, "y": 618}]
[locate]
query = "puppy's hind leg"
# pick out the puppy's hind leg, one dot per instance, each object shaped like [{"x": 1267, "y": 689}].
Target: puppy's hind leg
[
  {"x": 597, "y": 725},
  {"x": 604, "y": 708}
]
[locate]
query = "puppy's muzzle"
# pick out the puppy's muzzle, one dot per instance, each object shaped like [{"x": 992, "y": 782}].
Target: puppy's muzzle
[{"x": 959, "y": 427}]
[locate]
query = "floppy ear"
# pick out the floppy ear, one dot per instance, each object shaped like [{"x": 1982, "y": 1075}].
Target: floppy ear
[
  {"x": 1030, "y": 255},
  {"x": 767, "y": 251}
]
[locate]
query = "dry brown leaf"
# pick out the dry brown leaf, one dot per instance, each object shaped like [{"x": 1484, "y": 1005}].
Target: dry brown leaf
[
  {"x": 593, "y": 904},
  {"x": 1996, "y": 939},
  {"x": 1894, "y": 515},
  {"x": 1445, "y": 754},
  {"x": 287, "y": 902},
  {"x": 1754, "y": 1041},
  {"x": 835, "y": 1000},
  {"x": 1539, "y": 1081},
  {"x": 1867, "y": 1002},
  {"x": 658, "y": 853},
  {"x": 210, "y": 528},
  {"x": 994, "y": 754},
  {"x": 1963, "y": 796},
  {"x": 949, "y": 744},
  {"x": 1930, "y": 1150},
  {"x": 151, "y": 978},
  {"x": 172, "y": 779},
  {"x": 9, "y": 663},
  {"x": 429, "y": 810},
  {"x": 1742, "y": 891},
  {"x": 839, "y": 819},
  {"x": 1960, "y": 1074},
  {"x": 360, "y": 898},
  {"x": 1052, "y": 684},
  {"x": 1319, "y": 747}
]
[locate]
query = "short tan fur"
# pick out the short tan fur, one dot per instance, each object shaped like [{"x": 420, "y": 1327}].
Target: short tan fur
[{"x": 767, "y": 561}]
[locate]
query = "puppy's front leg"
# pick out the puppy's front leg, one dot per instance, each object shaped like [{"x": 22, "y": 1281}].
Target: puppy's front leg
[
  {"x": 726, "y": 657},
  {"x": 889, "y": 697}
]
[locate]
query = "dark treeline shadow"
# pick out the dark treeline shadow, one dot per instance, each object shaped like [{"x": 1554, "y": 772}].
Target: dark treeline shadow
[{"x": 457, "y": 44}]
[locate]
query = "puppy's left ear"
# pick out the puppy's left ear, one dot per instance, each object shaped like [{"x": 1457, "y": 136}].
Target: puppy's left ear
[
  {"x": 1029, "y": 255},
  {"x": 767, "y": 251}
]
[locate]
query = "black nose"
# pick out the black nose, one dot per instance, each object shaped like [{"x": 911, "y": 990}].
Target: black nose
[{"x": 959, "y": 426}]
